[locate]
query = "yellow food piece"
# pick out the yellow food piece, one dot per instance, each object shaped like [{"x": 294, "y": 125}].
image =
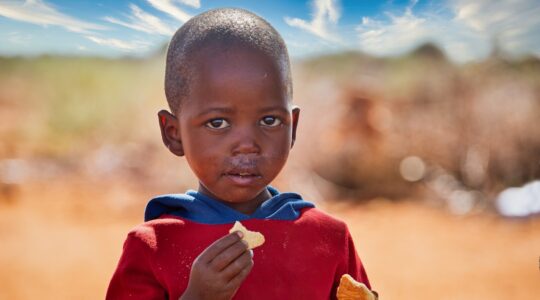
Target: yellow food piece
[
  {"x": 350, "y": 289},
  {"x": 253, "y": 238}
]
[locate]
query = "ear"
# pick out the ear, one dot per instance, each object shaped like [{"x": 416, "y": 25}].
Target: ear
[
  {"x": 170, "y": 132},
  {"x": 295, "y": 117}
]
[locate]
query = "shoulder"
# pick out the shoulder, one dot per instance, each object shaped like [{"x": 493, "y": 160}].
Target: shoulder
[
  {"x": 314, "y": 217},
  {"x": 317, "y": 215},
  {"x": 150, "y": 232}
]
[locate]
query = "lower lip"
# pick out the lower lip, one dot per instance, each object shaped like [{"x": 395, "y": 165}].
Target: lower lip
[{"x": 243, "y": 180}]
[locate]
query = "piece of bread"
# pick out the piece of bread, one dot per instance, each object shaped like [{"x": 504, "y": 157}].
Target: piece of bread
[
  {"x": 350, "y": 289},
  {"x": 253, "y": 238}
]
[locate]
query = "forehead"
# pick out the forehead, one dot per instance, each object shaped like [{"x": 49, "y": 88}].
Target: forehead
[{"x": 236, "y": 76}]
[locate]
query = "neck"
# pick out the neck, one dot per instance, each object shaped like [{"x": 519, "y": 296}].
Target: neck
[{"x": 247, "y": 207}]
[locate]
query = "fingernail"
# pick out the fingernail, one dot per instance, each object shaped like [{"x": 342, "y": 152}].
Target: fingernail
[
  {"x": 251, "y": 252},
  {"x": 240, "y": 234}
]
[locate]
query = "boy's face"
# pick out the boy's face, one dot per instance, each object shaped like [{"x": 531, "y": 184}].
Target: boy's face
[{"x": 236, "y": 127}]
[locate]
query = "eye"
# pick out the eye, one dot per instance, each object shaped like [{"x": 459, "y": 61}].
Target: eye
[
  {"x": 270, "y": 121},
  {"x": 217, "y": 124}
]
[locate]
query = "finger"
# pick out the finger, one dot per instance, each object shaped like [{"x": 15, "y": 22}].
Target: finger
[
  {"x": 223, "y": 259},
  {"x": 240, "y": 277},
  {"x": 237, "y": 265},
  {"x": 218, "y": 246}
]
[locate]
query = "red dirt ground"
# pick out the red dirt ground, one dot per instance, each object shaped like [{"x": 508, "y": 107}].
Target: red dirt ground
[{"x": 62, "y": 241}]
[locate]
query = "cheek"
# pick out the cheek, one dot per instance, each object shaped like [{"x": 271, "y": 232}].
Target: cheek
[
  {"x": 202, "y": 161},
  {"x": 277, "y": 156},
  {"x": 206, "y": 166},
  {"x": 203, "y": 157},
  {"x": 278, "y": 146}
]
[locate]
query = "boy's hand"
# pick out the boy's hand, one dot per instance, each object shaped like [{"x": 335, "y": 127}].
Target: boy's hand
[{"x": 220, "y": 269}]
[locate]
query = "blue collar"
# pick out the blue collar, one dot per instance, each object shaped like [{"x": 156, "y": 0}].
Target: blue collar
[{"x": 200, "y": 208}]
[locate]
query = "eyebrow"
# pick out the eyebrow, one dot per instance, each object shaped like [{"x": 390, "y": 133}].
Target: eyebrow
[
  {"x": 271, "y": 108},
  {"x": 230, "y": 110},
  {"x": 216, "y": 109}
]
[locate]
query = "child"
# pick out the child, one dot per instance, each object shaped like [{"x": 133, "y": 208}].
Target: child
[{"x": 228, "y": 85}]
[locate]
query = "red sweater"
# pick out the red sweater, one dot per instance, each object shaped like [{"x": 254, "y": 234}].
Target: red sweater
[{"x": 300, "y": 259}]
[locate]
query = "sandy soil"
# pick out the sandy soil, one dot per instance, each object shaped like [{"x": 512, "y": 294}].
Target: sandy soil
[{"x": 63, "y": 242}]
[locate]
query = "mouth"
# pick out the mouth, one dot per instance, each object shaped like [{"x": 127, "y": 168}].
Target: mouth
[
  {"x": 241, "y": 174},
  {"x": 243, "y": 177}
]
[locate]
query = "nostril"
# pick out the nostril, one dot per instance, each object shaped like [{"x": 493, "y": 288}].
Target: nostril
[{"x": 246, "y": 147}]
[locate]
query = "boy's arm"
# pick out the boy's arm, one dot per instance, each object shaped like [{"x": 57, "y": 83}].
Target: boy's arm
[
  {"x": 355, "y": 268},
  {"x": 134, "y": 278},
  {"x": 352, "y": 265}
]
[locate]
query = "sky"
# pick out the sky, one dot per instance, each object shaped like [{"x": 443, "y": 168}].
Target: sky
[{"x": 465, "y": 30}]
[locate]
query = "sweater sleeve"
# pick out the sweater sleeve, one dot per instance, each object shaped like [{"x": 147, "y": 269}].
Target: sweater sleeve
[
  {"x": 134, "y": 277},
  {"x": 350, "y": 263},
  {"x": 355, "y": 267}
]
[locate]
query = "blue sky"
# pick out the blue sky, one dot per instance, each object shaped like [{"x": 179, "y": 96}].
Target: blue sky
[{"x": 466, "y": 30}]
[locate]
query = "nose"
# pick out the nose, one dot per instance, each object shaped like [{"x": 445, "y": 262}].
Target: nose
[{"x": 246, "y": 141}]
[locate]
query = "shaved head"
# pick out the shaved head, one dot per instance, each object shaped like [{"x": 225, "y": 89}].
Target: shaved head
[{"x": 217, "y": 31}]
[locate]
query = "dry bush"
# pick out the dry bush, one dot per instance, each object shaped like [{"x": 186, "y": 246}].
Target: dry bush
[{"x": 473, "y": 127}]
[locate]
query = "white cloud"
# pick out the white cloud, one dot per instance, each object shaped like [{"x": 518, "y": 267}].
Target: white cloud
[
  {"x": 192, "y": 3},
  {"x": 397, "y": 34},
  {"x": 464, "y": 29},
  {"x": 18, "y": 38},
  {"x": 41, "y": 13},
  {"x": 119, "y": 44},
  {"x": 325, "y": 13},
  {"x": 513, "y": 23},
  {"x": 168, "y": 7},
  {"x": 143, "y": 21}
]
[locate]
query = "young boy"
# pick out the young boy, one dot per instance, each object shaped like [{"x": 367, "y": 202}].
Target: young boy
[{"x": 228, "y": 85}]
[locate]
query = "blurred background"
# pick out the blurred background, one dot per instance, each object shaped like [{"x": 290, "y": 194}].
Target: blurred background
[{"x": 420, "y": 128}]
